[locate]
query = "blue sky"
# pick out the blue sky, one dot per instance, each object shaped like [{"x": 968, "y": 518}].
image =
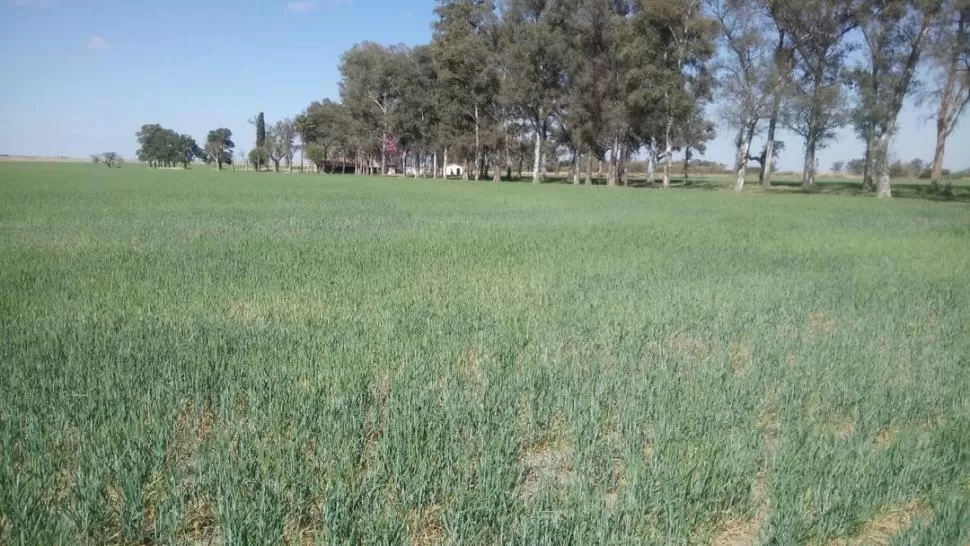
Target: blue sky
[{"x": 81, "y": 76}]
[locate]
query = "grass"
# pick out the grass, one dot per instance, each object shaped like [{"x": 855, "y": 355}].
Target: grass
[{"x": 201, "y": 357}]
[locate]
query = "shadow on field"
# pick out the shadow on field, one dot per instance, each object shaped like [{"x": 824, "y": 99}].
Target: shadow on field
[
  {"x": 948, "y": 192},
  {"x": 959, "y": 192}
]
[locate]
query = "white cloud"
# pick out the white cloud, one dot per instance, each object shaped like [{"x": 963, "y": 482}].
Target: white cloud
[
  {"x": 302, "y": 6},
  {"x": 97, "y": 43}
]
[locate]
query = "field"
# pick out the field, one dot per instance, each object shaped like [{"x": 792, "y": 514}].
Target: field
[{"x": 242, "y": 358}]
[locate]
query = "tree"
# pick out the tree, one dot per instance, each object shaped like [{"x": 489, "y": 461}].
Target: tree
[
  {"x": 817, "y": 107},
  {"x": 96, "y": 158},
  {"x": 684, "y": 42},
  {"x": 949, "y": 56},
  {"x": 417, "y": 119},
  {"x": 304, "y": 129},
  {"x": 328, "y": 130},
  {"x": 260, "y": 123},
  {"x": 535, "y": 45},
  {"x": 894, "y": 35},
  {"x": 150, "y": 139},
  {"x": 188, "y": 150},
  {"x": 279, "y": 143},
  {"x": 219, "y": 147},
  {"x": 112, "y": 159},
  {"x": 370, "y": 87},
  {"x": 838, "y": 167},
  {"x": 780, "y": 83},
  {"x": 743, "y": 74},
  {"x": 856, "y": 167},
  {"x": 463, "y": 51},
  {"x": 591, "y": 68},
  {"x": 258, "y": 157},
  {"x": 260, "y": 130}
]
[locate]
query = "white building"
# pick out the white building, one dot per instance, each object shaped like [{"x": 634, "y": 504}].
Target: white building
[{"x": 453, "y": 169}]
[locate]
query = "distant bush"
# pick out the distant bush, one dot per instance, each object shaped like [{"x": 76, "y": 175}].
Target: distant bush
[{"x": 112, "y": 159}]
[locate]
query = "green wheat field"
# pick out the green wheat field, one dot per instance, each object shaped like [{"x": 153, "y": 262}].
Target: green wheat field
[{"x": 194, "y": 357}]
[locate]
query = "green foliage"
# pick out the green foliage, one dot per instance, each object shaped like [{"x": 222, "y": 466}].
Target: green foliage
[
  {"x": 112, "y": 159},
  {"x": 258, "y": 157},
  {"x": 239, "y": 358},
  {"x": 856, "y": 166},
  {"x": 280, "y": 143},
  {"x": 219, "y": 147},
  {"x": 160, "y": 147},
  {"x": 260, "y": 131}
]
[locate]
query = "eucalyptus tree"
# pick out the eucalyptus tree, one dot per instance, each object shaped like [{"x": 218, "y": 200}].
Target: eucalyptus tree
[
  {"x": 684, "y": 43},
  {"x": 779, "y": 85},
  {"x": 371, "y": 89},
  {"x": 303, "y": 127},
  {"x": 949, "y": 64},
  {"x": 817, "y": 107},
  {"x": 745, "y": 72},
  {"x": 535, "y": 38},
  {"x": 463, "y": 50},
  {"x": 895, "y": 33},
  {"x": 280, "y": 142}
]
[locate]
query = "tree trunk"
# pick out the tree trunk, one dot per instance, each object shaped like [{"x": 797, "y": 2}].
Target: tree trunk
[
  {"x": 668, "y": 151},
  {"x": 765, "y": 174},
  {"x": 577, "y": 166},
  {"x": 384, "y": 153},
  {"x": 867, "y": 162},
  {"x": 478, "y": 147},
  {"x": 939, "y": 151},
  {"x": 444, "y": 169},
  {"x": 467, "y": 174},
  {"x": 880, "y": 153},
  {"x": 496, "y": 169},
  {"x": 621, "y": 168},
  {"x": 589, "y": 169},
  {"x": 808, "y": 171},
  {"x": 687, "y": 156},
  {"x": 744, "y": 146},
  {"x": 508, "y": 155},
  {"x": 652, "y": 162},
  {"x": 537, "y": 163},
  {"x": 613, "y": 173},
  {"x": 942, "y": 129}
]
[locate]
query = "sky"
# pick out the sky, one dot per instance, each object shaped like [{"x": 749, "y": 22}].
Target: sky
[{"x": 81, "y": 76}]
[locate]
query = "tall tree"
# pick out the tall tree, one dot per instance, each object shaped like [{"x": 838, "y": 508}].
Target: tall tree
[
  {"x": 949, "y": 60},
  {"x": 219, "y": 146},
  {"x": 260, "y": 130},
  {"x": 188, "y": 150},
  {"x": 329, "y": 131},
  {"x": 817, "y": 107},
  {"x": 744, "y": 71},
  {"x": 304, "y": 129},
  {"x": 684, "y": 46},
  {"x": 536, "y": 45},
  {"x": 468, "y": 83},
  {"x": 371, "y": 88},
  {"x": 894, "y": 35},
  {"x": 779, "y": 84},
  {"x": 279, "y": 143}
]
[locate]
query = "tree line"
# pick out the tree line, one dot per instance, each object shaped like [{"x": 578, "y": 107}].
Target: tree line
[
  {"x": 597, "y": 84},
  {"x": 161, "y": 147}
]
